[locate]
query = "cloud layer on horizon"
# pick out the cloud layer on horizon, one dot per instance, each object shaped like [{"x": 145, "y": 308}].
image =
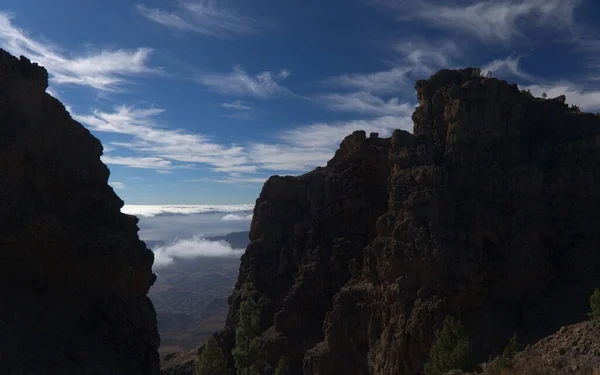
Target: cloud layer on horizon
[{"x": 162, "y": 210}]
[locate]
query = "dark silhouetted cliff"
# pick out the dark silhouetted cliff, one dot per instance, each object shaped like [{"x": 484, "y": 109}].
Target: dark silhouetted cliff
[
  {"x": 488, "y": 211},
  {"x": 74, "y": 276}
]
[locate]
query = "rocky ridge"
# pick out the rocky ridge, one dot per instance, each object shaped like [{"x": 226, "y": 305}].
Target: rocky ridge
[
  {"x": 487, "y": 211},
  {"x": 74, "y": 274}
]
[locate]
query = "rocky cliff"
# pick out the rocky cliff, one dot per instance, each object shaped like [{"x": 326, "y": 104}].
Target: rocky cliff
[
  {"x": 487, "y": 211},
  {"x": 73, "y": 275}
]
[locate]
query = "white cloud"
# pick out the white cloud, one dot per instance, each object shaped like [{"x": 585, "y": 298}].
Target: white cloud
[
  {"x": 203, "y": 17},
  {"x": 237, "y": 105},
  {"x": 194, "y": 247},
  {"x": 158, "y": 210},
  {"x": 237, "y": 168},
  {"x": 102, "y": 70},
  {"x": 422, "y": 56},
  {"x": 364, "y": 102},
  {"x": 329, "y": 136},
  {"x": 415, "y": 58},
  {"x": 264, "y": 85},
  {"x": 235, "y": 217},
  {"x": 106, "y": 149},
  {"x": 241, "y": 110},
  {"x": 234, "y": 179},
  {"x": 491, "y": 20},
  {"x": 117, "y": 185},
  {"x": 587, "y": 100},
  {"x": 137, "y": 162},
  {"x": 297, "y": 150},
  {"x": 510, "y": 66},
  {"x": 287, "y": 157},
  {"x": 377, "y": 82},
  {"x": 164, "y": 144}
]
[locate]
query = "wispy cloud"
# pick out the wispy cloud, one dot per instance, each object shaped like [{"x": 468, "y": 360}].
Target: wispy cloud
[
  {"x": 377, "y": 82},
  {"x": 194, "y": 247},
  {"x": 490, "y": 20},
  {"x": 296, "y": 150},
  {"x": 329, "y": 136},
  {"x": 237, "y": 105},
  {"x": 236, "y": 217},
  {"x": 102, "y": 70},
  {"x": 117, "y": 185},
  {"x": 165, "y": 145},
  {"x": 366, "y": 103},
  {"x": 264, "y": 85},
  {"x": 413, "y": 58},
  {"x": 587, "y": 100},
  {"x": 234, "y": 178},
  {"x": 137, "y": 162},
  {"x": 240, "y": 110},
  {"x": 423, "y": 56},
  {"x": 237, "y": 169},
  {"x": 203, "y": 17},
  {"x": 509, "y": 66},
  {"x": 287, "y": 157}
]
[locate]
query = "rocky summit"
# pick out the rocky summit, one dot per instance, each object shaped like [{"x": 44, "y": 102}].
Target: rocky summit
[
  {"x": 74, "y": 275},
  {"x": 487, "y": 212}
]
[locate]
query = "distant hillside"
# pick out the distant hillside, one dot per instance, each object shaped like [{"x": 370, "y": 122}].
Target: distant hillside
[{"x": 190, "y": 296}]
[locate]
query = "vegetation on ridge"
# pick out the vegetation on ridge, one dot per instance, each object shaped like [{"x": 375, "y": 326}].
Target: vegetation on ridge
[
  {"x": 247, "y": 332},
  {"x": 283, "y": 367},
  {"x": 212, "y": 361},
  {"x": 595, "y": 304},
  {"x": 450, "y": 350},
  {"x": 505, "y": 361}
]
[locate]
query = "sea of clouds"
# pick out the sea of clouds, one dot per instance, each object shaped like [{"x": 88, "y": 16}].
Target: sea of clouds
[
  {"x": 164, "y": 210},
  {"x": 194, "y": 247},
  {"x": 178, "y": 232}
]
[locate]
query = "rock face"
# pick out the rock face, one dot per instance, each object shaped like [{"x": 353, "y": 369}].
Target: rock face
[
  {"x": 488, "y": 211},
  {"x": 74, "y": 275}
]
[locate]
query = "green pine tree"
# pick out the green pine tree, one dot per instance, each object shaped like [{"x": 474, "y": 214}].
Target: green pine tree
[
  {"x": 450, "y": 350},
  {"x": 283, "y": 368},
  {"x": 513, "y": 347},
  {"x": 505, "y": 361},
  {"x": 212, "y": 361},
  {"x": 595, "y": 304},
  {"x": 246, "y": 333}
]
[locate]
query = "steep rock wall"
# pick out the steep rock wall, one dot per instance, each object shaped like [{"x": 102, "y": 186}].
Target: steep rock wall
[
  {"x": 74, "y": 274},
  {"x": 488, "y": 211}
]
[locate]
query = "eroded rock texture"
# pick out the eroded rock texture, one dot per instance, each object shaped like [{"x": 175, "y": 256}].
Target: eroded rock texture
[
  {"x": 488, "y": 211},
  {"x": 73, "y": 273}
]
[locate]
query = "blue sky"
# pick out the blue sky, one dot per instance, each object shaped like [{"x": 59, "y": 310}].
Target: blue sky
[{"x": 199, "y": 102}]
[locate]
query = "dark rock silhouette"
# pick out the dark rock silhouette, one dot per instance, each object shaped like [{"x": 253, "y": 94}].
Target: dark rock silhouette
[
  {"x": 74, "y": 275},
  {"x": 488, "y": 211}
]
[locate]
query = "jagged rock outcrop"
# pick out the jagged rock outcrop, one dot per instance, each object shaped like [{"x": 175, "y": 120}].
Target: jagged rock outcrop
[
  {"x": 74, "y": 275},
  {"x": 573, "y": 349},
  {"x": 488, "y": 211}
]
